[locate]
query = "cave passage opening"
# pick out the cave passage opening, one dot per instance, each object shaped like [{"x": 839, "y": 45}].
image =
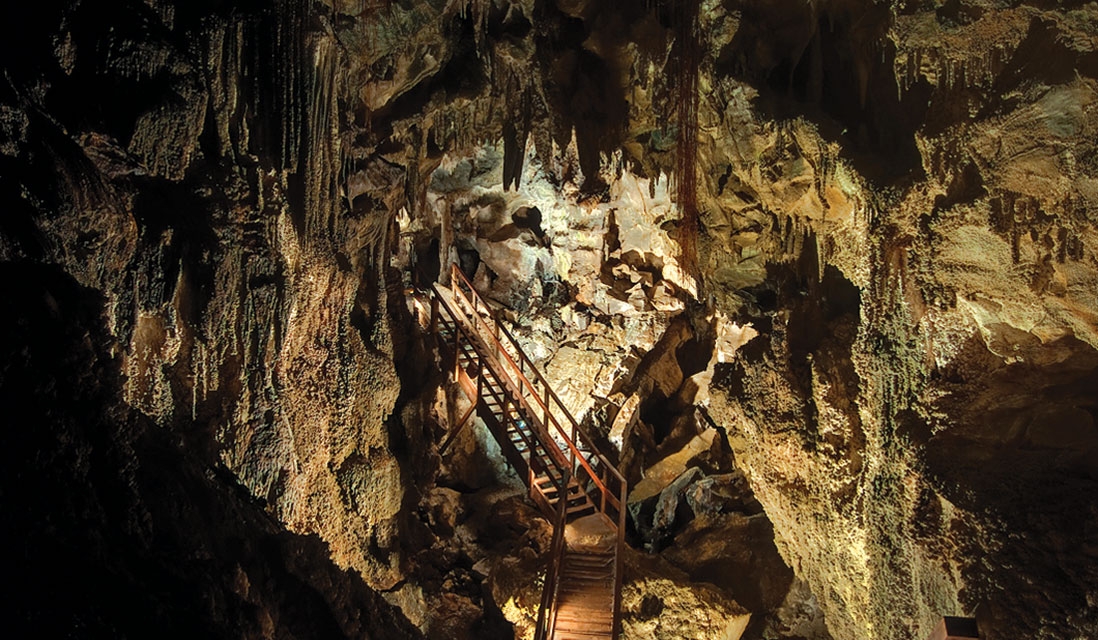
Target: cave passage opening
[{"x": 594, "y": 293}]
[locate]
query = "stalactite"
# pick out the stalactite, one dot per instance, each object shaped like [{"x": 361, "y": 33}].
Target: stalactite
[
  {"x": 687, "y": 42},
  {"x": 949, "y": 68},
  {"x": 291, "y": 44},
  {"x": 516, "y": 126},
  {"x": 322, "y": 148}
]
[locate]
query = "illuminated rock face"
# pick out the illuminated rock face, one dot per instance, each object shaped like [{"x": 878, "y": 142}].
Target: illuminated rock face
[
  {"x": 892, "y": 325},
  {"x": 916, "y": 415}
]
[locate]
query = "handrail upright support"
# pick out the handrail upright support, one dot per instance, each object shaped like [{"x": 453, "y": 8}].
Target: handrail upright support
[
  {"x": 480, "y": 379},
  {"x": 546, "y": 402},
  {"x": 457, "y": 350}
]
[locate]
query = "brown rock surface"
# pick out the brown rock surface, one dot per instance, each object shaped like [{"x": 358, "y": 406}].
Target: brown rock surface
[
  {"x": 892, "y": 313},
  {"x": 913, "y": 417},
  {"x": 122, "y": 532}
]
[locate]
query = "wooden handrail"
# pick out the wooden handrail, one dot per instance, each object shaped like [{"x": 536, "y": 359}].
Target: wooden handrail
[
  {"x": 459, "y": 275},
  {"x": 458, "y": 279}
]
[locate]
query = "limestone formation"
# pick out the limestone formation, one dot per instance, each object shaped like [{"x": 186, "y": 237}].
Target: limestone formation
[{"x": 821, "y": 277}]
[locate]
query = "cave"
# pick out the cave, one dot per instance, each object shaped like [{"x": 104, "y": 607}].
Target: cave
[{"x": 531, "y": 319}]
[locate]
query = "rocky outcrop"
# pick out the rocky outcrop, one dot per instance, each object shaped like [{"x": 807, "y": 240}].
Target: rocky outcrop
[
  {"x": 919, "y": 261},
  {"x": 119, "y": 529},
  {"x": 190, "y": 164}
]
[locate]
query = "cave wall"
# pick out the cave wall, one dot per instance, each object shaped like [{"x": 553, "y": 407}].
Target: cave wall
[
  {"x": 900, "y": 201},
  {"x": 116, "y": 530},
  {"x": 898, "y": 198},
  {"x": 918, "y": 256},
  {"x": 187, "y": 161}
]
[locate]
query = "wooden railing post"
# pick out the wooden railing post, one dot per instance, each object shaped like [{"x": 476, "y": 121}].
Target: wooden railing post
[
  {"x": 457, "y": 351},
  {"x": 547, "y": 612},
  {"x": 546, "y": 402}
]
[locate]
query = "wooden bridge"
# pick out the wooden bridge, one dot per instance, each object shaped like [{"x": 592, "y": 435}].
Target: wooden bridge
[{"x": 573, "y": 484}]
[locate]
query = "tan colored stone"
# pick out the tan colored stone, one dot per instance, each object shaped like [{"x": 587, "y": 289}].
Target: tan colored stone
[
  {"x": 624, "y": 419},
  {"x": 661, "y": 474}
]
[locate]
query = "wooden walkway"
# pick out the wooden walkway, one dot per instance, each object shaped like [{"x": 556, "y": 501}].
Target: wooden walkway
[{"x": 569, "y": 479}]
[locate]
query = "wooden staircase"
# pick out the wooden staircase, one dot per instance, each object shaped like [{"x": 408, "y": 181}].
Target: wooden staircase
[{"x": 569, "y": 479}]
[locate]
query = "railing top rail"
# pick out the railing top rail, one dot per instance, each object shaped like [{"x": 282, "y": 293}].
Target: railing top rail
[{"x": 459, "y": 275}]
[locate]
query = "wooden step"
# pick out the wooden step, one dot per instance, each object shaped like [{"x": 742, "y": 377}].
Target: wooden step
[
  {"x": 523, "y": 445},
  {"x": 579, "y": 510},
  {"x": 517, "y": 426},
  {"x": 552, "y": 490},
  {"x": 550, "y": 474},
  {"x": 586, "y": 592},
  {"x": 585, "y": 596},
  {"x": 587, "y": 616},
  {"x": 582, "y": 633},
  {"x": 596, "y": 572},
  {"x": 582, "y": 611},
  {"x": 581, "y": 584},
  {"x": 591, "y": 574},
  {"x": 551, "y": 484},
  {"x": 550, "y": 478},
  {"x": 590, "y": 557},
  {"x": 595, "y": 565},
  {"x": 580, "y": 622}
]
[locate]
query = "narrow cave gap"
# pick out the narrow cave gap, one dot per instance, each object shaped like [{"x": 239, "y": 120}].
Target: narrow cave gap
[
  {"x": 295, "y": 196},
  {"x": 693, "y": 355},
  {"x": 426, "y": 265},
  {"x": 468, "y": 259},
  {"x": 529, "y": 218},
  {"x": 464, "y": 74},
  {"x": 966, "y": 187},
  {"x": 507, "y": 23}
]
